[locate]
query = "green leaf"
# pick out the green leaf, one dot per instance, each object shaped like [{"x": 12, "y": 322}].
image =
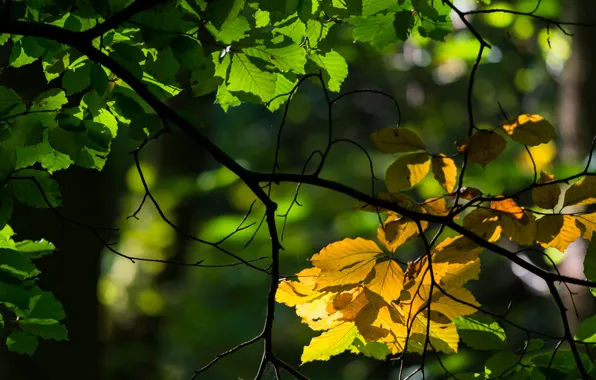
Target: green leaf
[
  {"x": 9, "y": 101},
  {"x": 17, "y": 265},
  {"x": 21, "y": 342},
  {"x": 230, "y": 32},
  {"x": 127, "y": 106},
  {"x": 480, "y": 332},
  {"x": 4, "y": 37},
  {"x": 44, "y": 328},
  {"x": 188, "y": 52},
  {"x": 378, "y": 30},
  {"x": 334, "y": 66},
  {"x": 286, "y": 57},
  {"x": 35, "y": 249},
  {"x": 375, "y": 350},
  {"x": 224, "y": 12},
  {"x": 372, "y": 7},
  {"x": 164, "y": 68},
  {"x": 497, "y": 365},
  {"x": 24, "y": 52},
  {"x": 5, "y": 206},
  {"x": 50, "y": 100},
  {"x": 587, "y": 330},
  {"x": 98, "y": 78},
  {"x": 144, "y": 125},
  {"x": 77, "y": 79},
  {"x": 35, "y": 188},
  {"x": 247, "y": 78},
  {"x": 291, "y": 27},
  {"x": 46, "y": 306},
  {"x": 316, "y": 31}
]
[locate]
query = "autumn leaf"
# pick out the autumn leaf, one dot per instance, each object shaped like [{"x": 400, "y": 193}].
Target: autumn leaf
[
  {"x": 345, "y": 262},
  {"x": 387, "y": 280},
  {"x": 530, "y": 130},
  {"x": 406, "y": 171},
  {"x": 435, "y": 206},
  {"x": 587, "y": 224},
  {"x": 546, "y": 196},
  {"x": 330, "y": 343},
  {"x": 484, "y": 223},
  {"x": 483, "y": 147},
  {"x": 445, "y": 172},
  {"x": 521, "y": 231},
  {"x": 507, "y": 206},
  {"x": 582, "y": 192},
  {"x": 557, "y": 231},
  {"x": 397, "y": 140},
  {"x": 398, "y": 230}
]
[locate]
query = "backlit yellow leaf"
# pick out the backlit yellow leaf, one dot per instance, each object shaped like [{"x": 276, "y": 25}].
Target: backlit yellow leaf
[
  {"x": 406, "y": 171},
  {"x": 388, "y": 318},
  {"x": 582, "y": 192},
  {"x": 350, "y": 275},
  {"x": 452, "y": 307},
  {"x": 316, "y": 308},
  {"x": 484, "y": 223},
  {"x": 388, "y": 280},
  {"x": 294, "y": 293},
  {"x": 396, "y": 231},
  {"x": 309, "y": 276},
  {"x": 397, "y": 140},
  {"x": 522, "y": 231},
  {"x": 435, "y": 206},
  {"x": 546, "y": 196},
  {"x": 445, "y": 172},
  {"x": 528, "y": 129},
  {"x": 587, "y": 224},
  {"x": 508, "y": 206},
  {"x": 557, "y": 231},
  {"x": 443, "y": 336},
  {"x": 467, "y": 193},
  {"x": 330, "y": 343},
  {"x": 345, "y": 253},
  {"x": 484, "y": 146},
  {"x": 349, "y": 310}
]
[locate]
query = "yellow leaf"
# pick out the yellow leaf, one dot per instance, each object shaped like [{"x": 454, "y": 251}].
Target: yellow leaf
[
  {"x": 308, "y": 276},
  {"x": 443, "y": 336},
  {"x": 294, "y": 293},
  {"x": 582, "y": 192},
  {"x": 445, "y": 172},
  {"x": 587, "y": 224},
  {"x": 483, "y": 223},
  {"x": 397, "y": 231},
  {"x": 350, "y": 275},
  {"x": 407, "y": 171},
  {"x": 546, "y": 196},
  {"x": 557, "y": 231},
  {"x": 330, "y": 343},
  {"x": 388, "y": 318},
  {"x": 349, "y": 310},
  {"x": 530, "y": 130},
  {"x": 388, "y": 280},
  {"x": 509, "y": 207},
  {"x": 435, "y": 206},
  {"x": 316, "y": 308},
  {"x": 345, "y": 253},
  {"x": 453, "y": 308},
  {"x": 522, "y": 231},
  {"x": 397, "y": 140},
  {"x": 484, "y": 146}
]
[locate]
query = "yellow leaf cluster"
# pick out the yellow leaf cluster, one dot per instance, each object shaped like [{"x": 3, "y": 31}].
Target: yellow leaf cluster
[{"x": 357, "y": 296}]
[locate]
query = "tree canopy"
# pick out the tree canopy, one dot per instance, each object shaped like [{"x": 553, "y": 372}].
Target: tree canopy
[{"x": 114, "y": 67}]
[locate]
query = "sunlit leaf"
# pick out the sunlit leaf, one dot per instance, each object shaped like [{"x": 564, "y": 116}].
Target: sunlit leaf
[
  {"x": 557, "y": 231},
  {"x": 484, "y": 223},
  {"x": 582, "y": 192},
  {"x": 480, "y": 332},
  {"x": 445, "y": 172},
  {"x": 330, "y": 343},
  {"x": 528, "y": 129},
  {"x": 407, "y": 171},
  {"x": 546, "y": 196},
  {"x": 587, "y": 330},
  {"x": 396, "y": 231},
  {"x": 509, "y": 207},
  {"x": 483, "y": 147},
  {"x": 397, "y": 140},
  {"x": 521, "y": 231},
  {"x": 387, "y": 280}
]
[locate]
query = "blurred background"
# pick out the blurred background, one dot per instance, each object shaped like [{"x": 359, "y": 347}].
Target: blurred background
[{"x": 155, "y": 321}]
